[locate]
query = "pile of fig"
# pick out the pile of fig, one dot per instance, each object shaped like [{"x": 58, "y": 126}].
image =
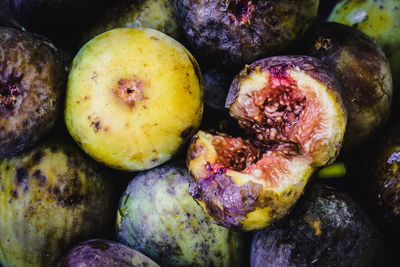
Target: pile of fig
[{"x": 199, "y": 133}]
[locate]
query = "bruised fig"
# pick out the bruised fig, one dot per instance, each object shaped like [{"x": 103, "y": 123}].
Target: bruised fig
[
  {"x": 291, "y": 109},
  {"x": 363, "y": 72},
  {"x": 240, "y": 31},
  {"x": 102, "y": 252},
  {"x": 31, "y": 83}
]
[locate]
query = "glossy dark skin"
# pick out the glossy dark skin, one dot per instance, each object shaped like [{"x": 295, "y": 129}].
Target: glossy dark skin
[
  {"x": 326, "y": 228},
  {"x": 363, "y": 73},
  {"x": 32, "y": 80},
  {"x": 235, "y": 32}
]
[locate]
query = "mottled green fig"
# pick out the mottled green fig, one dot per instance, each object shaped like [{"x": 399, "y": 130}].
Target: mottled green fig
[
  {"x": 326, "y": 228},
  {"x": 363, "y": 73},
  {"x": 159, "y": 218},
  {"x": 377, "y": 18},
  {"x": 104, "y": 253},
  {"x": 235, "y": 32},
  {"x": 155, "y": 14},
  {"x": 50, "y": 197},
  {"x": 32, "y": 80}
]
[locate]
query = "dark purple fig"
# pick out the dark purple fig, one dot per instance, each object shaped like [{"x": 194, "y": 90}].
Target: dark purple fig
[
  {"x": 32, "y": 80},
  {"x": 104, "y": 253},
  {"x": 235, "y": 32},
  {"x": 326, "y": 228},
  {"x": 363, "y": 72}
]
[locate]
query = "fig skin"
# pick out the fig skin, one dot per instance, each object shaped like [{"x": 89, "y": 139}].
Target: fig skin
[
  {"x": 104, "y": 253},
  {"x": 326, "y": 228},
  {"x": 379, "y": 20},
  {"x": 363, "y": 72},
  {"x": 55, "y": 197},
  {"x": 248, "y": 184},
  {"x": 176, "y": 232},
  {"x": 214, "y": 29},
  {"x": 134, "y": 97},
  {"x": 156, "y": 14},
  {"x": 32, "y": 80}
]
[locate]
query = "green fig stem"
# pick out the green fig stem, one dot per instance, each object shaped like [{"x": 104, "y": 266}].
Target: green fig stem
[{"x": 337, "y": 169}]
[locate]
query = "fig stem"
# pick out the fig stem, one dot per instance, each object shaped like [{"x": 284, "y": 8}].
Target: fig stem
[{"x": 337, "y": 169}]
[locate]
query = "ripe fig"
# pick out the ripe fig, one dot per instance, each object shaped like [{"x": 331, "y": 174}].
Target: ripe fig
[
  {"x": 104, "y": 253},
  {"x": 155, "y": 14},
  {"x": 378, "y": 19},
  {"x": 50, "y": 197},
  {"x": 32, "y": 80},
  {"x": 236, "y": 32},
  {"x": 176, "y": 232},
  {"x": 326, "y": 228},
  {"x": 363, "y": 72},
  {"x": 291, "y": 109},
  {"x": 134, "y": 97}
]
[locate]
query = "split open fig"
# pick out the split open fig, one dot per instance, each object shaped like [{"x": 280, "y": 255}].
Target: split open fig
[{"x": 294, "y": 118}]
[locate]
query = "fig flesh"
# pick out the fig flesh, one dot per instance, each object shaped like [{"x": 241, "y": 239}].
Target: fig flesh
[
  {"x": 291, "y": 109},
  {"x": 363, "y": 72}
]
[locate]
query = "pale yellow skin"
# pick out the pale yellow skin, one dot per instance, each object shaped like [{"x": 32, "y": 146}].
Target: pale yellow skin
[{"x": 148, "y": 133}]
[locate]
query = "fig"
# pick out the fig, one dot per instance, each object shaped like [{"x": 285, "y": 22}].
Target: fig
[
  {"x": 292, "y": 112},
  {"x": 383, "y": 187},
  {"x": 237, "y": 32},
  {"x": 176, "y": 232},
  {"x": 363, "y": 72},
  {"x": 134, "y": 97},
  {"x": 51, "y": 196},
  {"x": 326, "y": 228},
  {"x": 32, "y": 80},
  {"x": 102, "y": 252},
  {"x": 378, "y": 19},
  {"x": 155, "y": 14}
]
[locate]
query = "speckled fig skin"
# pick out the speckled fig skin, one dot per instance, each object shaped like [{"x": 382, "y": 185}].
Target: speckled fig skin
[
  {"x": 363, "y": 72},
  {"x": 51, "y": 197},
  {"x": 104, "y": 253},
  {"x": 155, "y": 14},
  {"x": 176, "y": 232},
  {"x": 237, "y": 32},
  {"x": 134, "y": 98},
  {"x": 32, "y": 79},
  {"x": 326, "y": 228}
]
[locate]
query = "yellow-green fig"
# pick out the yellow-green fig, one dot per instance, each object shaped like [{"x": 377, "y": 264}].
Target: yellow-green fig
[
  {"x": 50, "y": 197},
  {"x": 134, "y": 97}
]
